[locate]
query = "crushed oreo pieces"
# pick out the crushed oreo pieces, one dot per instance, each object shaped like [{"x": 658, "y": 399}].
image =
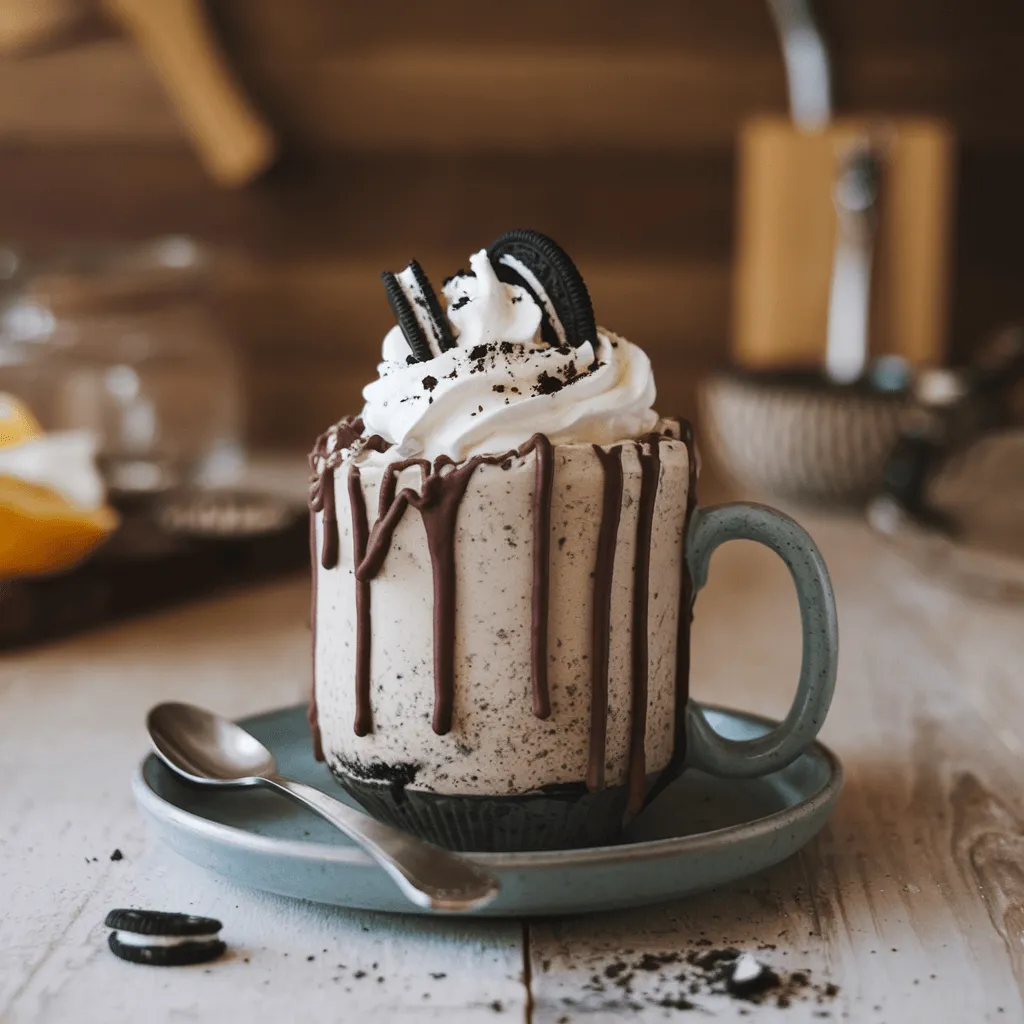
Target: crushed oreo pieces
[
  {"x": 675, "y": 980},
  {"x": 547, "y": 384}
]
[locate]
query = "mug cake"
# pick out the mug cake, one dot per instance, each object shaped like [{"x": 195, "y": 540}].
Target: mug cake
[{"x": 502, "y": 602}]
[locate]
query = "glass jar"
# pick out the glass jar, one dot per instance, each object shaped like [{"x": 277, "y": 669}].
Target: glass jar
[{"x": 122, "y": 342}]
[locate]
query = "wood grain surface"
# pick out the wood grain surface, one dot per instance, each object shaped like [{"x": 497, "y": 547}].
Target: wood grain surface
[
  {"x": 410, "y": 129},
  {"x": 911, "y": 901}
]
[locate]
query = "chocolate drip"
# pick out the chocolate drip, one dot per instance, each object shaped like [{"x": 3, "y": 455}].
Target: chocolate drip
[
  {"x": 442, "y": 488},
  {"x": 311, "y": 712},
  {"x": 345, "y": 434},
  {"x": 360, "y": 532},
  {"x": 348, "y": 432},
  {"x": 439, "y": 516},
  {"x": 329, "y": 550},
  {"x": 611, "y": 466},
  {"x": 390, "y": 509},
  {"x": 438, "y": 501},
  {"x": 686, "y": 595},
  {"x": 650, "y": 472},
  {"x": 545, "y": 475},
  {"x": 441, "y": 492}
]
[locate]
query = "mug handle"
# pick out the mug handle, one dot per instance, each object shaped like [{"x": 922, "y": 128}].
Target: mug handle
[{"x": 707, "y": 749}]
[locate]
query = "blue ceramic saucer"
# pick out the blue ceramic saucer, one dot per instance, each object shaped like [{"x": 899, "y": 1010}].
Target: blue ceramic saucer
[{"x": 700, "y": 833}]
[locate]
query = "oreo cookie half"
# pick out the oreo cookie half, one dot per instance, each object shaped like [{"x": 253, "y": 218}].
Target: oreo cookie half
[
  {"x": 543, "y": 268},
  {"x": 440, "y": 328},
  {"x": 418, "y": 312},
  {"x": 162, "y": 939}
]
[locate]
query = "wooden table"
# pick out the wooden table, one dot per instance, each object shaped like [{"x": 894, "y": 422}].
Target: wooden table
[{"x": 911, "y": 901}]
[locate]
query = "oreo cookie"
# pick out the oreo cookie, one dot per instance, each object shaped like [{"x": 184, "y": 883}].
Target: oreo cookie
[
  {"x": 418, "y": 312},
  {"x": 440, "y": 328},
  {"x": 536, "y": 263},
  {"x": 162, "y": 939}
]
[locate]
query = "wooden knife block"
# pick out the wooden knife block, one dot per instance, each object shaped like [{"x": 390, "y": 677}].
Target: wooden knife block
[{"x": 787, "y": 230}]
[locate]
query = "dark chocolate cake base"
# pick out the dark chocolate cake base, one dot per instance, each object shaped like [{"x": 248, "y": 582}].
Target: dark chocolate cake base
[{"x": 561, "y": 817}]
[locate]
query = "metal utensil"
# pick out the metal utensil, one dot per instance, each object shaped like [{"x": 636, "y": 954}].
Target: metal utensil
[
  {"x": 209, "y": 750},
  {"x": 855, "y": 197},
  {"x": 808, "y": 65},
  {"x": 855, "y": 193}
]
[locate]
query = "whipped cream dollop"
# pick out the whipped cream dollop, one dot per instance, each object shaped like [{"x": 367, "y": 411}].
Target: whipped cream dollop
[{"x": 501, "y": 383}]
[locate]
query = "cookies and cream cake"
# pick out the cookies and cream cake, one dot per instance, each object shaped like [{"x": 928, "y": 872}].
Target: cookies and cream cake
[{"x": 501, "y": 598}]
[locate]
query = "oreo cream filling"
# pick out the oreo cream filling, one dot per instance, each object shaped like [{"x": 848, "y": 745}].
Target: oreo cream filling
[
  {"x": 539, "y": 292},
  {"x": 167, "y": 941},
  {"x": 418, "y": 301}
]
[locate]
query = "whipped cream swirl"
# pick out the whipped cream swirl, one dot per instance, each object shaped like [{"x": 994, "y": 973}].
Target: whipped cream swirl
[{"x": 501, "y": 383}]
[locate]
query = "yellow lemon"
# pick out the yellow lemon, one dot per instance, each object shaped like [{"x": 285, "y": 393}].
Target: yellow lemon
[
  {"x": 41, "y": 531},
  {"x": 16, "y": 421}
]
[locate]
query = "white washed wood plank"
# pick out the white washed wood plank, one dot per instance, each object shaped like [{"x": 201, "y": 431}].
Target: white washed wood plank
[
  {"x": 912, "y": 901},
  {"x": 924, "y": 854},
  {"x": 72, "y": 717}
]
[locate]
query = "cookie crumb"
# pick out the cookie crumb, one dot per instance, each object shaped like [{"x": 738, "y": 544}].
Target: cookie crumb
[{"x": 547, "y": 384}]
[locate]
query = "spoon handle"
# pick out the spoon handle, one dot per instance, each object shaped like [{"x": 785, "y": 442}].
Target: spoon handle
[{"x": 426, "y": 874}]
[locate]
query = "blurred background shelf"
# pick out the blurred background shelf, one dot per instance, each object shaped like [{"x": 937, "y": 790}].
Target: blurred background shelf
[{"x": 415, "y": 130}]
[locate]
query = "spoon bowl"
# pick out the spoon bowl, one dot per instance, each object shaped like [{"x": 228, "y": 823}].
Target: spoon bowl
[{"x": 208, "y": 750}]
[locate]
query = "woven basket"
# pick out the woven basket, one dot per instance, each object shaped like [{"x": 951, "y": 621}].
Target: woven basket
[{"x": 799, "y": 437}]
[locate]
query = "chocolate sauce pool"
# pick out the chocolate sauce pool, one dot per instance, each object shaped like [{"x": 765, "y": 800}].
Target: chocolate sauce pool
[{"x": 442, "y": 488}]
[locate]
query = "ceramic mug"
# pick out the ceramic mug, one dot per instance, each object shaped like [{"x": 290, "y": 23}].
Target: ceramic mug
[{"x": 523, "y": 760}]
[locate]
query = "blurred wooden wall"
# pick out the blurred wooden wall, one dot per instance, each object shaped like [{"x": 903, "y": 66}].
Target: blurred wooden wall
[{"x": 425, "y": 129}]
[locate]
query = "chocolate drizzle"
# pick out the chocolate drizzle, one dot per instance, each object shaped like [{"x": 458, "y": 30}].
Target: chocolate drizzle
[
  {"x": 683, "y": 622},
  {"x": 611, "y": 466},
  {"x": 312, "y": 717},
  {"x": 344, "y": 435},
  {"x": 438, "y": 502},
  {"x": 439, "y": 517},
  {"x": 390, "y": 510},
  {"x": 686, "y": 596},
  {"x": 321, "y": 494},
  {"x": 329, "y": 550},
  {"x": 650, "y": 471},
  {"x": 360, "y": 532},
  {"x": 442, "y": 487},
  {"x": 541, "y": 574}
]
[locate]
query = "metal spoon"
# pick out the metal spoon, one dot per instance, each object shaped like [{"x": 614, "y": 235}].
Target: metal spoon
[
  {"x": 855, "y": 197},
  {"x": 211, "y": 751}
]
